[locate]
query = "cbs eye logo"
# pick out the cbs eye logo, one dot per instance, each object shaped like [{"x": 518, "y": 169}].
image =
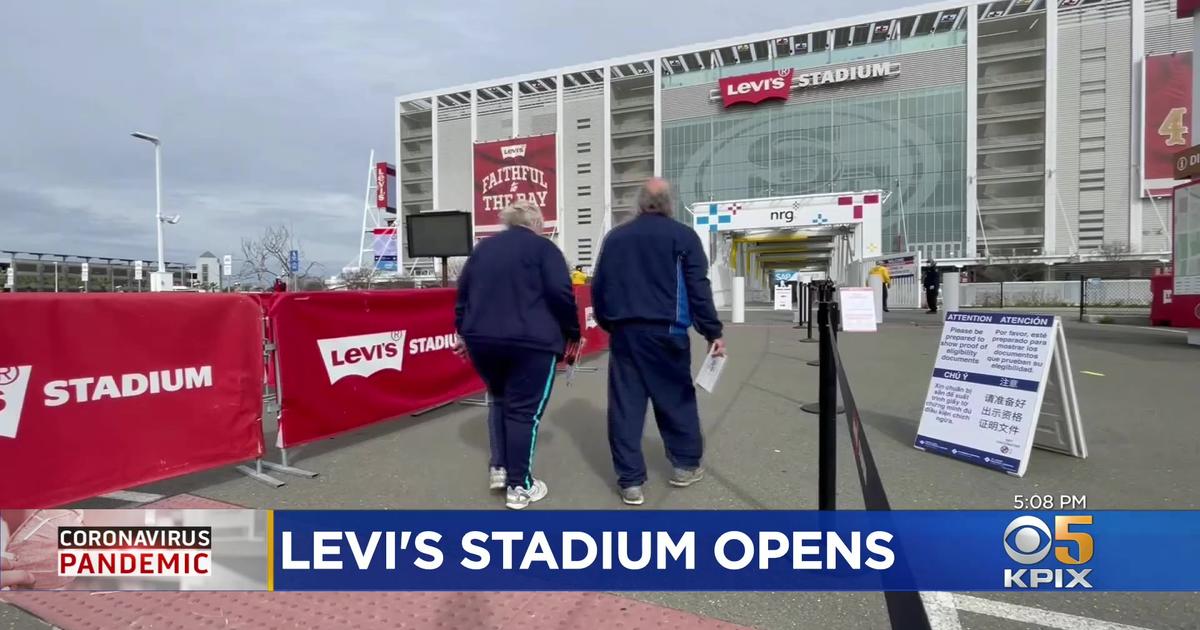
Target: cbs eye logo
[{"x": 1027, "y": 540}]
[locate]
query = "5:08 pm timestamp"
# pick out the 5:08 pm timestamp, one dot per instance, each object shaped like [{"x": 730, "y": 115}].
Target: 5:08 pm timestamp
[{"x": 1050, "y": 502}]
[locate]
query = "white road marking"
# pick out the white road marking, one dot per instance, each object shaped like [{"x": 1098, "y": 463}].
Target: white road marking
[
  {"x": 131, "y": 496},
  {"x": 940, "y": 609},
  {"x": 1028, "y": 614},
  {"x": 1180, "y": 331}
]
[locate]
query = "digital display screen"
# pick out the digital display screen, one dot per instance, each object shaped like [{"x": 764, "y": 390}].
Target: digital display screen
[{"x": 438, "y": 234}]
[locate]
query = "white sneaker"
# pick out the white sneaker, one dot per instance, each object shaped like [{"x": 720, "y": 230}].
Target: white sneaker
[
  {"x": 518, "y": 498},
  {"x": 497, "y": 478}
]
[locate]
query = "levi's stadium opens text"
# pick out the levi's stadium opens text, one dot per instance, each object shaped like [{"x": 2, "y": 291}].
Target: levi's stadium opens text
[{"x": 576, "y": 550}]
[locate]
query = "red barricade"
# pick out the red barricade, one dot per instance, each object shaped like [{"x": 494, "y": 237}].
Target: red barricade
[
  {"x": 348, "y": 359},
  {"x": 104, "y": 392},
  {"x": 352, "y": 358}
]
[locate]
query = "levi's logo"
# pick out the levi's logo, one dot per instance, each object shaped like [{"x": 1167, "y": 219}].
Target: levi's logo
[
  {"x": 362, "y": 355},
  {"x": 14, "y": 380},
  {"x": 512, "y": 151},
  {"x": 757, "y": 87}
]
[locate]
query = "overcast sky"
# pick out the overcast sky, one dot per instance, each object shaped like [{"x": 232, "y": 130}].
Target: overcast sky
[{"x": 267, "y": 110}]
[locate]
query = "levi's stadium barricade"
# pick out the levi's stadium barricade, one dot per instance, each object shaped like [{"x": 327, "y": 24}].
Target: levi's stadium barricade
[
  {"x": 104, "y": 392},
  {"x": 348, "y": 359}
]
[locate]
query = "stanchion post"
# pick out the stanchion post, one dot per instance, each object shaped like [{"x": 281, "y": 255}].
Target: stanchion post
[
  {"x": 1082, "y": 295},
  {"x": 835, "y": 317},
  {"x": 827, "y": 418},
  {"x": 811, "y": 294}
]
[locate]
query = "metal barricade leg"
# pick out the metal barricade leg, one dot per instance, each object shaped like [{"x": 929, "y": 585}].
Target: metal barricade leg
[
  {"x": 257, "y": 473},
  {"x": 486, "y": 401},
  {"x": 286, "y": 468}
]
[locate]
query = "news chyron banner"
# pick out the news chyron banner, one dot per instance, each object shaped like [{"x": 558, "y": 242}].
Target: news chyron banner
[
  {"x": 541, "y": 550},
  {"x": 1167, "y": 85},
  {"x": 511, "y": 170}
]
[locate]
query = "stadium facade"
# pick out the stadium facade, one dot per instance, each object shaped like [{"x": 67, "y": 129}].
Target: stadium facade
[{"x": 1027, "y": 131}]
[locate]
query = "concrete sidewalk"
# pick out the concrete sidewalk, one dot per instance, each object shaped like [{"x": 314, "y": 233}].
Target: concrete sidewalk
[{"x": 1139, "y": 420}]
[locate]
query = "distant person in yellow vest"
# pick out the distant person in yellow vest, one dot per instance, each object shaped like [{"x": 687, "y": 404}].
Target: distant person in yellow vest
[
  {"x": 577, "y": 276},
  {"x": 885, "y": 279}
]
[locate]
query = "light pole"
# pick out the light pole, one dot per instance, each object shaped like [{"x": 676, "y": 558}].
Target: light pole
[{"x": 160, "y": 280}]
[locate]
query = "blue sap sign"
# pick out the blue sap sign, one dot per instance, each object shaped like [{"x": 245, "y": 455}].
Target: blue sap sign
[{"x": 294, "y": 261}]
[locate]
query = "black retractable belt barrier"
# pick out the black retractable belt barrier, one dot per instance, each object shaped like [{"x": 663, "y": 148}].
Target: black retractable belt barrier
[{"x": 905, "y": 609}]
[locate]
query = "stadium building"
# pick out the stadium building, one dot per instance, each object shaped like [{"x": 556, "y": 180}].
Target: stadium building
[{"x": 1018, "y": 132}]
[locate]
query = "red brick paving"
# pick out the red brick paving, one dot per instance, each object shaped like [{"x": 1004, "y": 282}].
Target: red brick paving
[{"x": 350, "y": 611}]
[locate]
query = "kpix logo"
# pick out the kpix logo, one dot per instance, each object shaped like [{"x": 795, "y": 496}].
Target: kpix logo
[
  {"x": 512, "y": 151},
  {"x": 14, "y": 380},
  {"x": 362, "y": 355},
  {"x": 1028, "y": 541}
]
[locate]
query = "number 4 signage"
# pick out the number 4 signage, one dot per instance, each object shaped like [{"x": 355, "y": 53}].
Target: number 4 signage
[
  {"x": 990, "y": 379},
  {"x": 1174, "y": 129}
]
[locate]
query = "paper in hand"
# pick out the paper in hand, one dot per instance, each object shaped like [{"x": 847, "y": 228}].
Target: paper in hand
[
  {"x": 569, "y": 374},
  {"x": 710, "y": 371}
]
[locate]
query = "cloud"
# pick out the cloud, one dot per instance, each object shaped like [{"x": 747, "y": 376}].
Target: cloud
[{"x": 267, "y": 109}]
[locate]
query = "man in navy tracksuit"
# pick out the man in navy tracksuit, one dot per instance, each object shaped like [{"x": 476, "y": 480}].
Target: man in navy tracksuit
[
  {"x": 650, "y": 286},
  {"x": 516, "y": 316}
]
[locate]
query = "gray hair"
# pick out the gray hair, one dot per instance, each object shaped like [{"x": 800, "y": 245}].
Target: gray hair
[
  {"x": 523, "y": 213},
  {"x": 655, "y": 201}
]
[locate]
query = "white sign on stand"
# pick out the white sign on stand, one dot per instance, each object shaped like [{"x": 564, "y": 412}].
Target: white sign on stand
[
  {"x": 783, "y": 297},
  {"x": 988, "y": 392},
  {"x": 83, "y": 272},
  {"x": 227, "y": 265},
  {"x": 857, "y": 309},
  {"x": 137, "y": 269}
]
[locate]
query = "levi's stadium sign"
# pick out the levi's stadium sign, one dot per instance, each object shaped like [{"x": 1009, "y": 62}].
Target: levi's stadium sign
[
  {"x": 778, "y": 84},
  {"x": 757, "y": 87}
]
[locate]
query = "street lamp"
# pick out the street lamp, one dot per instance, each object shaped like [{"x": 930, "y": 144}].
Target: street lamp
[{"x": 157, "y": 285}]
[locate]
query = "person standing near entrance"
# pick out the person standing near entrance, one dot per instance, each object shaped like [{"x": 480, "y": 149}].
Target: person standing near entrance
[
  {"x": 516, "y": 316},
  {"x": 578, "y": 278},
  {"x": 932, "y": 281},
  {"x": 885, "y": 281},
  {"x": 649, "y": 286}
]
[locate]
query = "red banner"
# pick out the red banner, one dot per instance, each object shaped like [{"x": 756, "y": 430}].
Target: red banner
[
  {"x": 1166, "y": 125},
  {"x": 351, "y": 359},
  {"x": 510, "y": 170},
  {"x": 104, "y": 392},
  {"x": 348, "y": 359},
  {"x": 385, "y": 186}
]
